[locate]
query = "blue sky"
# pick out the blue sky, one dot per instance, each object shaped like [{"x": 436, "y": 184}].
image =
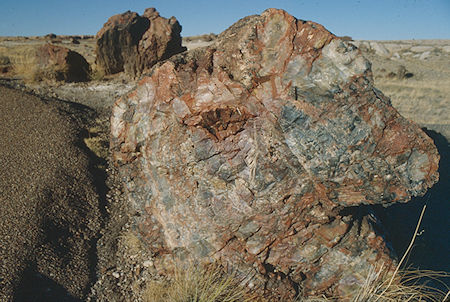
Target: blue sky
[{"x": 360, "y": 19}]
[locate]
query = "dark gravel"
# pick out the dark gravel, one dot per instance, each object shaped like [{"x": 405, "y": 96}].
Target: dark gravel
[{"x": 50, "y": 200}]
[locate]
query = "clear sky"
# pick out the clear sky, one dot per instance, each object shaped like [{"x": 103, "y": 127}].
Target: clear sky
[{"x": 360, "y": 19}]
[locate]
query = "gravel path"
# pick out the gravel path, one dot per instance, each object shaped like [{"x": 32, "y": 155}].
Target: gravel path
[{"x": 49, "y": 203}]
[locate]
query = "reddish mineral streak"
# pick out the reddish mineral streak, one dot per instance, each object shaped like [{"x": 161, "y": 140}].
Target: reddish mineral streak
[{"x": 256, "y": 152}]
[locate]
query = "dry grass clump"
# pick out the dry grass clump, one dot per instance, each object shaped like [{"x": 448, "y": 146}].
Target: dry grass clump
[
  {"x": 24, "y": 64},
  {"x": 96, "y": 74},
  {"x": 198, "y": 285},
  {"x": 401, "y": 285},
  {"x": 4, "y": 60},
  {"x": 405, "y": 285},
  {"x": 97, "y": 140},
  {"x": 23, "y": 61},
  {"x": 212, "y": 285},
  {"x": 5, "y": 64}
]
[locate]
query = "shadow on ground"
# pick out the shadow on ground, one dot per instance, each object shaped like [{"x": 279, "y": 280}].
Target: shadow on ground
[
  {"x": 36, "y": 287},
  {"x": 432, "y": 247}
]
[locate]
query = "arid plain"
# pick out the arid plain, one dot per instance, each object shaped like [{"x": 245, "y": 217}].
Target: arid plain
[{"x": 414, "y": 74}]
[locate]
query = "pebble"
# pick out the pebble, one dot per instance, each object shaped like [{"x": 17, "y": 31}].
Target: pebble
[{"x": 425, "y": 55}]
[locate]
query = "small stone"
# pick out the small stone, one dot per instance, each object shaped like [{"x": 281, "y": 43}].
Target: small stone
[
  {"x": 425, "y": 55},
  {"x": 396, "y": 56},
  {"x": 147, "y": 263},
  {"x": 116, "y": 275}
]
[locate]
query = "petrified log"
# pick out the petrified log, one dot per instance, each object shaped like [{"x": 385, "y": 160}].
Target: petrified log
[
  {"x": 132, "y": 43},
  {"x": 256, "y": 152},
  {"x": 61, "y": 64}
]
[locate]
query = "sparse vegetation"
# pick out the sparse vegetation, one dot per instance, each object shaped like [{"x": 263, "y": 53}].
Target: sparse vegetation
[
  {"x": 200, "y": 285},
  {"x": 401, "y": 73},
  {"x": 98, "y": 142},
  {"x": 4, "y": 60},
  {"x": 96, "y": 74},
  {"x": 22, "y": 60},
  {"x": 212, "y": 285},
  {"x": 425, "y": 102},
  {"x": 5, "y": 64},
  {"x": 24, "y": 65}
]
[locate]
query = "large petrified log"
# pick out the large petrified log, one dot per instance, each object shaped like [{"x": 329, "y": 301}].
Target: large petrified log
[
  {"x": 256, "y": 152},
  {"x": 132, "y": 43}
]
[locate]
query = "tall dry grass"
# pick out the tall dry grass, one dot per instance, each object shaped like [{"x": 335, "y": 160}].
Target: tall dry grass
[
  {"x": 424, "y": 102},
  {"x": 206, "y": 284},
  {"x": 23, "y": 61},
  {"x": 25, "y": 65}
]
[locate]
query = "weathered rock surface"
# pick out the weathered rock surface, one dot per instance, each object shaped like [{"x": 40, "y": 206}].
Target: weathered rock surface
[
  {"x": 61, "y": 64},
  {"x": 132, "y": 43},
  {"x": 256, "y": 152}
]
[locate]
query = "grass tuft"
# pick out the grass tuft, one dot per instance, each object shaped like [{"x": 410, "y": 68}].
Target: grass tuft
[
  {"x": 96, "y": 74},
  {"x": 198, "y": 285}
]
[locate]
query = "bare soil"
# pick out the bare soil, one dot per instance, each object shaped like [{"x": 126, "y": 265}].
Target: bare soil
[{"x": 51, "y": 197}]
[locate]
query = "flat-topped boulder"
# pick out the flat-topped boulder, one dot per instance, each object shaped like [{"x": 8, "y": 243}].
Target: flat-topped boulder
[{"x": 258, "y": 152}]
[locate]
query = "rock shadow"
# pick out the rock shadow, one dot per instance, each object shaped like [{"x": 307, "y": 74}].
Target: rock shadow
[
  {"x": 36, "y": 287},
  {"x": 432, "y": 245}
]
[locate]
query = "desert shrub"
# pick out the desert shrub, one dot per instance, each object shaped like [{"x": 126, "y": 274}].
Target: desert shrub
[
  {"x": 402, "y": 73},
  {"x": 24, "y": 63},
  {"x": 96, "y": 74},
  {"x": 50, "y": 36},
  {"x": 5, "y": 64},
  {"x": 4, "y": 60}
]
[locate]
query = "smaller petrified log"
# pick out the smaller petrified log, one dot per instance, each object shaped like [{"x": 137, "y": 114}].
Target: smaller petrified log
[
  {"x": 132, "y": 43},
  {"x": 61, "y": 64}
]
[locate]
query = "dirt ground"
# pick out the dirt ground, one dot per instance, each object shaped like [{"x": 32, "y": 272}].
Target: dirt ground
[
  {"x": 51, "y": 196},
  {"x": 64, "y": 227}
]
